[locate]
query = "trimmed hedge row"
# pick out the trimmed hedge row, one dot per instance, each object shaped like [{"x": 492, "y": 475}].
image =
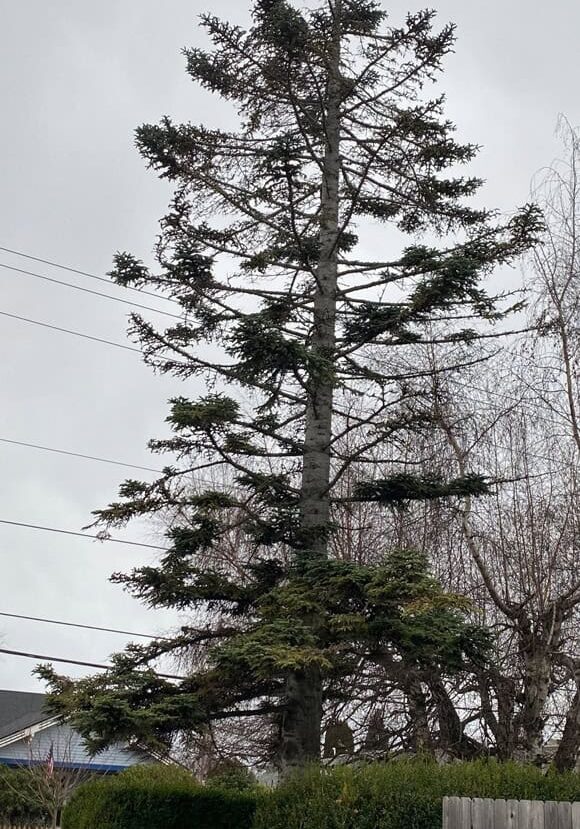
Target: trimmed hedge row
[
  {"x": 401, "y": 794},
  {"x": 157, "y": 797},
  {"x": 405, "y": 794}
]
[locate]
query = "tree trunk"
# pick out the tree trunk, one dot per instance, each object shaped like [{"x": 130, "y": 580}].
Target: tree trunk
[
  {"x": 569, "y": 746},
  {"x": 451, "y": 741},
  {"x": 315, "y": 500},
  {"x": 301, "y": 732},
  {"x": 505, "y": 737},
  {"x": 567, "y": 753},
  {"x": 422, "y": 742},
  {"x": 532, "y": 715}
]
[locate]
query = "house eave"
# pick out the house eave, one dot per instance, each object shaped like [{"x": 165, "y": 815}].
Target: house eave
[{"x": 27, "y": 733}]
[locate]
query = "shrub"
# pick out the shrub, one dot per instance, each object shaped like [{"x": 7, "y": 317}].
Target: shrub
[
  {"x": 406, "y": 794},
  {"x": 231, "y": 775},
  {"x": 157, "y": 797},
  {"x": 15, "y": 806}
]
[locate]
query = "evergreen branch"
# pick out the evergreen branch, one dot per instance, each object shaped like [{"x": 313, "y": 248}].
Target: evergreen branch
[{"x": 225, "y": 371}]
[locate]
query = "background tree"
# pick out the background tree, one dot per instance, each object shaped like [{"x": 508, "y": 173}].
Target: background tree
[
  {"x": 515, "y": 554},
  {"x": 525, "y": 540},
  {"x": 290, "y": 316}
]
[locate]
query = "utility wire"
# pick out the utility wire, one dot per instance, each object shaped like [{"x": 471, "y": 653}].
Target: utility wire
[
  {"x": 96, "y": 665},
  {"x": 78, "y": 455},
  {"x": 81, "y": 535},
  {"x": 470, "y": 386},
  {"x": 84, "y": 627},
  {"x": 84, "y": 273},
  {"x": 198, "y": 480},
  {"x": 158, "y": 296},
  {"x": 89, "y": 291},
  {"x": 525, "y": 403},
  {"x": 149, "y": 293},
  {"x": 160, "y": 471},
  {"x": 68, "y": 331}
]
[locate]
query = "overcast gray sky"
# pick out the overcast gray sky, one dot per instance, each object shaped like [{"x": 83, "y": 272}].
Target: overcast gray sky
[{"x": 76, "y": 77}]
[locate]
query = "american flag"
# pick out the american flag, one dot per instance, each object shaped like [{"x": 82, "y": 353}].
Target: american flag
[{"x": 50, "y": 761}]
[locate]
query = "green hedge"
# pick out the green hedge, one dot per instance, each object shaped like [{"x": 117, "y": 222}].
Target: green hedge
[
  {"x": 401, "y": 794},
  {"x": 404, "y": 794},
  {"x": 157, "y": 797},
  {"x": 15, "y": 807}
]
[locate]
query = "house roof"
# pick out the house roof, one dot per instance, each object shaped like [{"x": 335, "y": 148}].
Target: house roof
[{"x": 19, "y": 710}]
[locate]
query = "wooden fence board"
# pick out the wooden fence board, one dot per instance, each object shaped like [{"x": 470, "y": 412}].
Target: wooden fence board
[
  {"x": 564, "y": 816},
  {"x": 524, "y": 813},
  {"x": 483, "y": 813},
  {"x": 513, "y": 814},
  {"x": 465, "y": 812},
  {"x": 500, "y": 813},
  {"x": 551, "y": 814},
  {"x": 536, "y": 815},
  {"x": 452, "y": 813}
]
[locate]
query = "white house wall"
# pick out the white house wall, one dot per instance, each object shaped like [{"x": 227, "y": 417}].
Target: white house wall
[{"x": 67, "y": 749}]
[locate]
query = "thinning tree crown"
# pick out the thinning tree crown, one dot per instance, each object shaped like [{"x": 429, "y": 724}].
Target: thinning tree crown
[
  {"x": 305, "y": 341},
  {"x": 240, "y": 247}
]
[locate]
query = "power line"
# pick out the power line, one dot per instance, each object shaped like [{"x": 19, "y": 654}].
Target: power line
[
  {"x": 470, "y": 386},
  {"x": 84, "y": 273},
  {"x": 84, "y": 627},
  {"x": 160, "y": 472},
  {"x": 81, "y": 535},
  {"x": 68, "y": 331},
  {"x": 198, "y": 480},
  {"x": 78, "y": 455},
  {"x": 528, "y": 404},
  {"x": 89, "y": 291},
  {"x": 138, "y": 351},
  {"x": 97, "y": 665},
  {"x": 525, "y": 403}
]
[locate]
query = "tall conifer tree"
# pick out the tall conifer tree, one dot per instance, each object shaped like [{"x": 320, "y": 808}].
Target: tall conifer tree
[{"x": 288, "y": 319}]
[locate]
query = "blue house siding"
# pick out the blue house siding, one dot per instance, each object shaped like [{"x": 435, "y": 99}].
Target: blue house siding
[{"x": 68, "y": 751}]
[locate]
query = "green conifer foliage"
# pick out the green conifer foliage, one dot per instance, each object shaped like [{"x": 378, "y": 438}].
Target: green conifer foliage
[{"x": 287, "y": 318}]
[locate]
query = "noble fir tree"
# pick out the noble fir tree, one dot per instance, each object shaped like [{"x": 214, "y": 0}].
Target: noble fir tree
[{"x": 301, "y": 333}]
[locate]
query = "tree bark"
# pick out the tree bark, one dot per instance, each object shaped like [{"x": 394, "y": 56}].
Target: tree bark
[
  {"x": 569, "y": 746},
  {"x": 422, "y": 742},
  {"x": 452, "y": 741},
  {"x": 567, "y": 753},
  {"x": 532, "y": 721},
  {"x": 315, "y": 498},
  {"x": 538, "y": 645},
  {"x": 301, "y": 731},
  {"x": 505, "y": 691}
]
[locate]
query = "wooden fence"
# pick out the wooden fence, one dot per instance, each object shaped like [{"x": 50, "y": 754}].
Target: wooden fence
[
  {"x": 465, "y": 813},
  {"x": 22, "y": 826}
]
